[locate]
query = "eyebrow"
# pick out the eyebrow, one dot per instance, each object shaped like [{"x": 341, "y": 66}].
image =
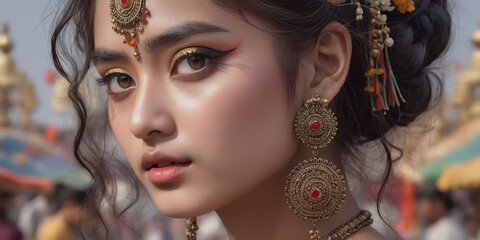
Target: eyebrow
[
  {"x": 181, "y": 32},
  {"x": 172, "y": 35},
  {"x": 101, "y": 55}
]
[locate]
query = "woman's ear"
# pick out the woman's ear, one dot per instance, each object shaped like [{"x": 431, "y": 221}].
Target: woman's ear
[{"x": 329, "y": 61}]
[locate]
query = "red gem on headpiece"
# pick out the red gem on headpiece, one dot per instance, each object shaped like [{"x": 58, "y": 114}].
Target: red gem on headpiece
[
  {"x": 132, "y": 43},
  {"x": 124, "y": 1},
  {"x": 147, "y": 12},
  {"x": 315, "y": 194},
  {"x": 142, "y": 19},
  {"x": 315, "y": 125}
]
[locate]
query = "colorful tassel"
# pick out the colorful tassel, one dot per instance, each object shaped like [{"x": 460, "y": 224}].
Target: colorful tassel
[{"x": 382, "y": 84}]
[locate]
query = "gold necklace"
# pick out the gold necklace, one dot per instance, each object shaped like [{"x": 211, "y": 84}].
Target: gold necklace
[{"x": 363, "y": 219}]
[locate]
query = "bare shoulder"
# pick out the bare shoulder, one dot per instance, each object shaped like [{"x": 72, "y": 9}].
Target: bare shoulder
[{"x": 367, "y": 233}]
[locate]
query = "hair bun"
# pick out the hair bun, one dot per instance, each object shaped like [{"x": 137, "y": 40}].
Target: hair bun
[{"x": 420, "y": 38}]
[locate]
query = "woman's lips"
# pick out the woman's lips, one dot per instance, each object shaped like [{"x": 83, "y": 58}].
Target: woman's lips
[
  {"x": 162, "y": 168},
  {"x": 167, "y": 174}
]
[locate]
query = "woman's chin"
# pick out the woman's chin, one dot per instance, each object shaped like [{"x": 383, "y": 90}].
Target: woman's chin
[{"x": 179, "y": 210}]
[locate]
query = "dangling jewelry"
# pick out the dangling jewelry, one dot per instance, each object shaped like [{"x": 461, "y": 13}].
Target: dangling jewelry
[
  {"x": 315, "y": 124},
  {"x": 359, "y": 10},
  {"x": 315, "y": 188},
  {"x": 129, "y": 19},
  {"x": 381, "y": 82},
  {"x": 192, "y": 228}
]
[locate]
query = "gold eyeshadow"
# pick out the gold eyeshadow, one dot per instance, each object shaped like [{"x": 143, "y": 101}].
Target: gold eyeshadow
[
  {"x": 201, "y": 51},
  {"x": 116, "y": 70},
  {"x": 182, "y": 54}
]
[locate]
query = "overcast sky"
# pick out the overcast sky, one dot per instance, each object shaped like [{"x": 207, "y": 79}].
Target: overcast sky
[{"x": 30, "y": 27}]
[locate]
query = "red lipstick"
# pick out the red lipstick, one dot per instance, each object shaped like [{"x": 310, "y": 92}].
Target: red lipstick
[{"x": 162, "y": 168}]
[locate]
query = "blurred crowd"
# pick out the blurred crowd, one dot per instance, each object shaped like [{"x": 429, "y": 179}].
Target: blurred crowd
[
  {"x": 452, "y": 215},
  {"x": 44, "y": 216},
  {"x": 55, "y": 215}
]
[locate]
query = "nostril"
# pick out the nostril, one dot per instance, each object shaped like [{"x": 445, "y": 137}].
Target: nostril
[{"x": 154, "y": 132}]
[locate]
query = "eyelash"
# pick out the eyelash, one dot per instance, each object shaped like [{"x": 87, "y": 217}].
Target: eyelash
[
  {"x": 203, "y": 52},
  {"x": 106, "y": 80}
]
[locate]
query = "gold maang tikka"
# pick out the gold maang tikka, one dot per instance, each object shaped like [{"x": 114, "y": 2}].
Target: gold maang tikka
[{"x": 129, "y": 19}]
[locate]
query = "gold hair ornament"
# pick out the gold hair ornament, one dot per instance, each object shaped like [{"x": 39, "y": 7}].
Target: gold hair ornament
[
  {"x": 129, "y": 19},
  {"x": 381, "y": 82}
]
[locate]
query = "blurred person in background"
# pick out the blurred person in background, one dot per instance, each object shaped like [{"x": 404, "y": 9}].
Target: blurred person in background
[
  {"x": 472, "y": 213},
  {"x": 36, "y": 211},
  {"x": 63, "y": 225},
  {"x": 8, "y": 230},
  {"x": 436, "y": 216}
]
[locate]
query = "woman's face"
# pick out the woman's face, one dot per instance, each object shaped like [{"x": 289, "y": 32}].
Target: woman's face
[{"x": 207, "y": 95}]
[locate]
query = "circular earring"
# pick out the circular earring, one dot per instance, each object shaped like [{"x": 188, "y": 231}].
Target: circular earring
[
  {"x": 315, "y": 189},
  {"x": 315, "y": 124}
]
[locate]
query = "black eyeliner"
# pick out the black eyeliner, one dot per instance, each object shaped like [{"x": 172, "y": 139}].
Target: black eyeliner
[{"x": 197, "y": 51}]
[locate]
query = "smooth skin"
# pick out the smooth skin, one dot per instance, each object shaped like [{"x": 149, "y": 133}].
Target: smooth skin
[{"x": 230, "y": 116}]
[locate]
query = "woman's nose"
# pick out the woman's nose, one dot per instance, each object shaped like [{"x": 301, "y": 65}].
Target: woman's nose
[{"x": 150, "y": 116}]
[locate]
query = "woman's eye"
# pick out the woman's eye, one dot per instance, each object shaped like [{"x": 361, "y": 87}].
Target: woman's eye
[
  {"x": 192, "y": 64},
  {"x": 118, "y": 82},
  {"x": 194, "y": 60}
]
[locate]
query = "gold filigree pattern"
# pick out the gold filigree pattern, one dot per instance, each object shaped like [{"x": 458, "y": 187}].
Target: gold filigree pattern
[
  {"x": 127, "y": 13},
  {"x": 315, "y": 125},
  {"x": 363, "y": 219},
  {"x": 315, "y": 189},
  {"x": 129, "y": 19}
]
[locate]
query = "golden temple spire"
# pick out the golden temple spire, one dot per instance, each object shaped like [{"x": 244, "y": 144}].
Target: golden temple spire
[
  {"x": 11, "y": 79},
  {"x": 5, "y": 43},
  {"x": 467, "y": 85}
]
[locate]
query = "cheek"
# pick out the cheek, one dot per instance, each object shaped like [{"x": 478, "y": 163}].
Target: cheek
[
  {"x": 119, "y": 123},
  {"x": 247, "y": 128},
  {"x": 254, "y": 114}
]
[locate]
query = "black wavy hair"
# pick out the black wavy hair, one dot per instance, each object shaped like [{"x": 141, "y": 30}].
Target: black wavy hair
[{"x": 420, "y": 38}]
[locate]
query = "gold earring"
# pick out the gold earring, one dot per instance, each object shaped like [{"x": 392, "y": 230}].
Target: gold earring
[
  {"x": 315, "y": 188},
  {"x": 192, "y": 228},
  {"x": 315, "y": 124}
]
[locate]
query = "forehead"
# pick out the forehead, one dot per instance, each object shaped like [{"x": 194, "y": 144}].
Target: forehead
[{"x": 165, "y": 14}]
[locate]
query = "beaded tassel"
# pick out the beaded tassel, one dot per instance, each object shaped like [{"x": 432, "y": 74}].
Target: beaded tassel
[
  {"x": 192, "y": 228},
  {"x": 314, "y": 233},
  {"x": 382, "y": 84},
  {"x": 393, "y": 82}
]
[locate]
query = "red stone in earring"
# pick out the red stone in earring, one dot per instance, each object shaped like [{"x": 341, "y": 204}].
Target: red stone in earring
[{"x": 315, "y": 194}]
